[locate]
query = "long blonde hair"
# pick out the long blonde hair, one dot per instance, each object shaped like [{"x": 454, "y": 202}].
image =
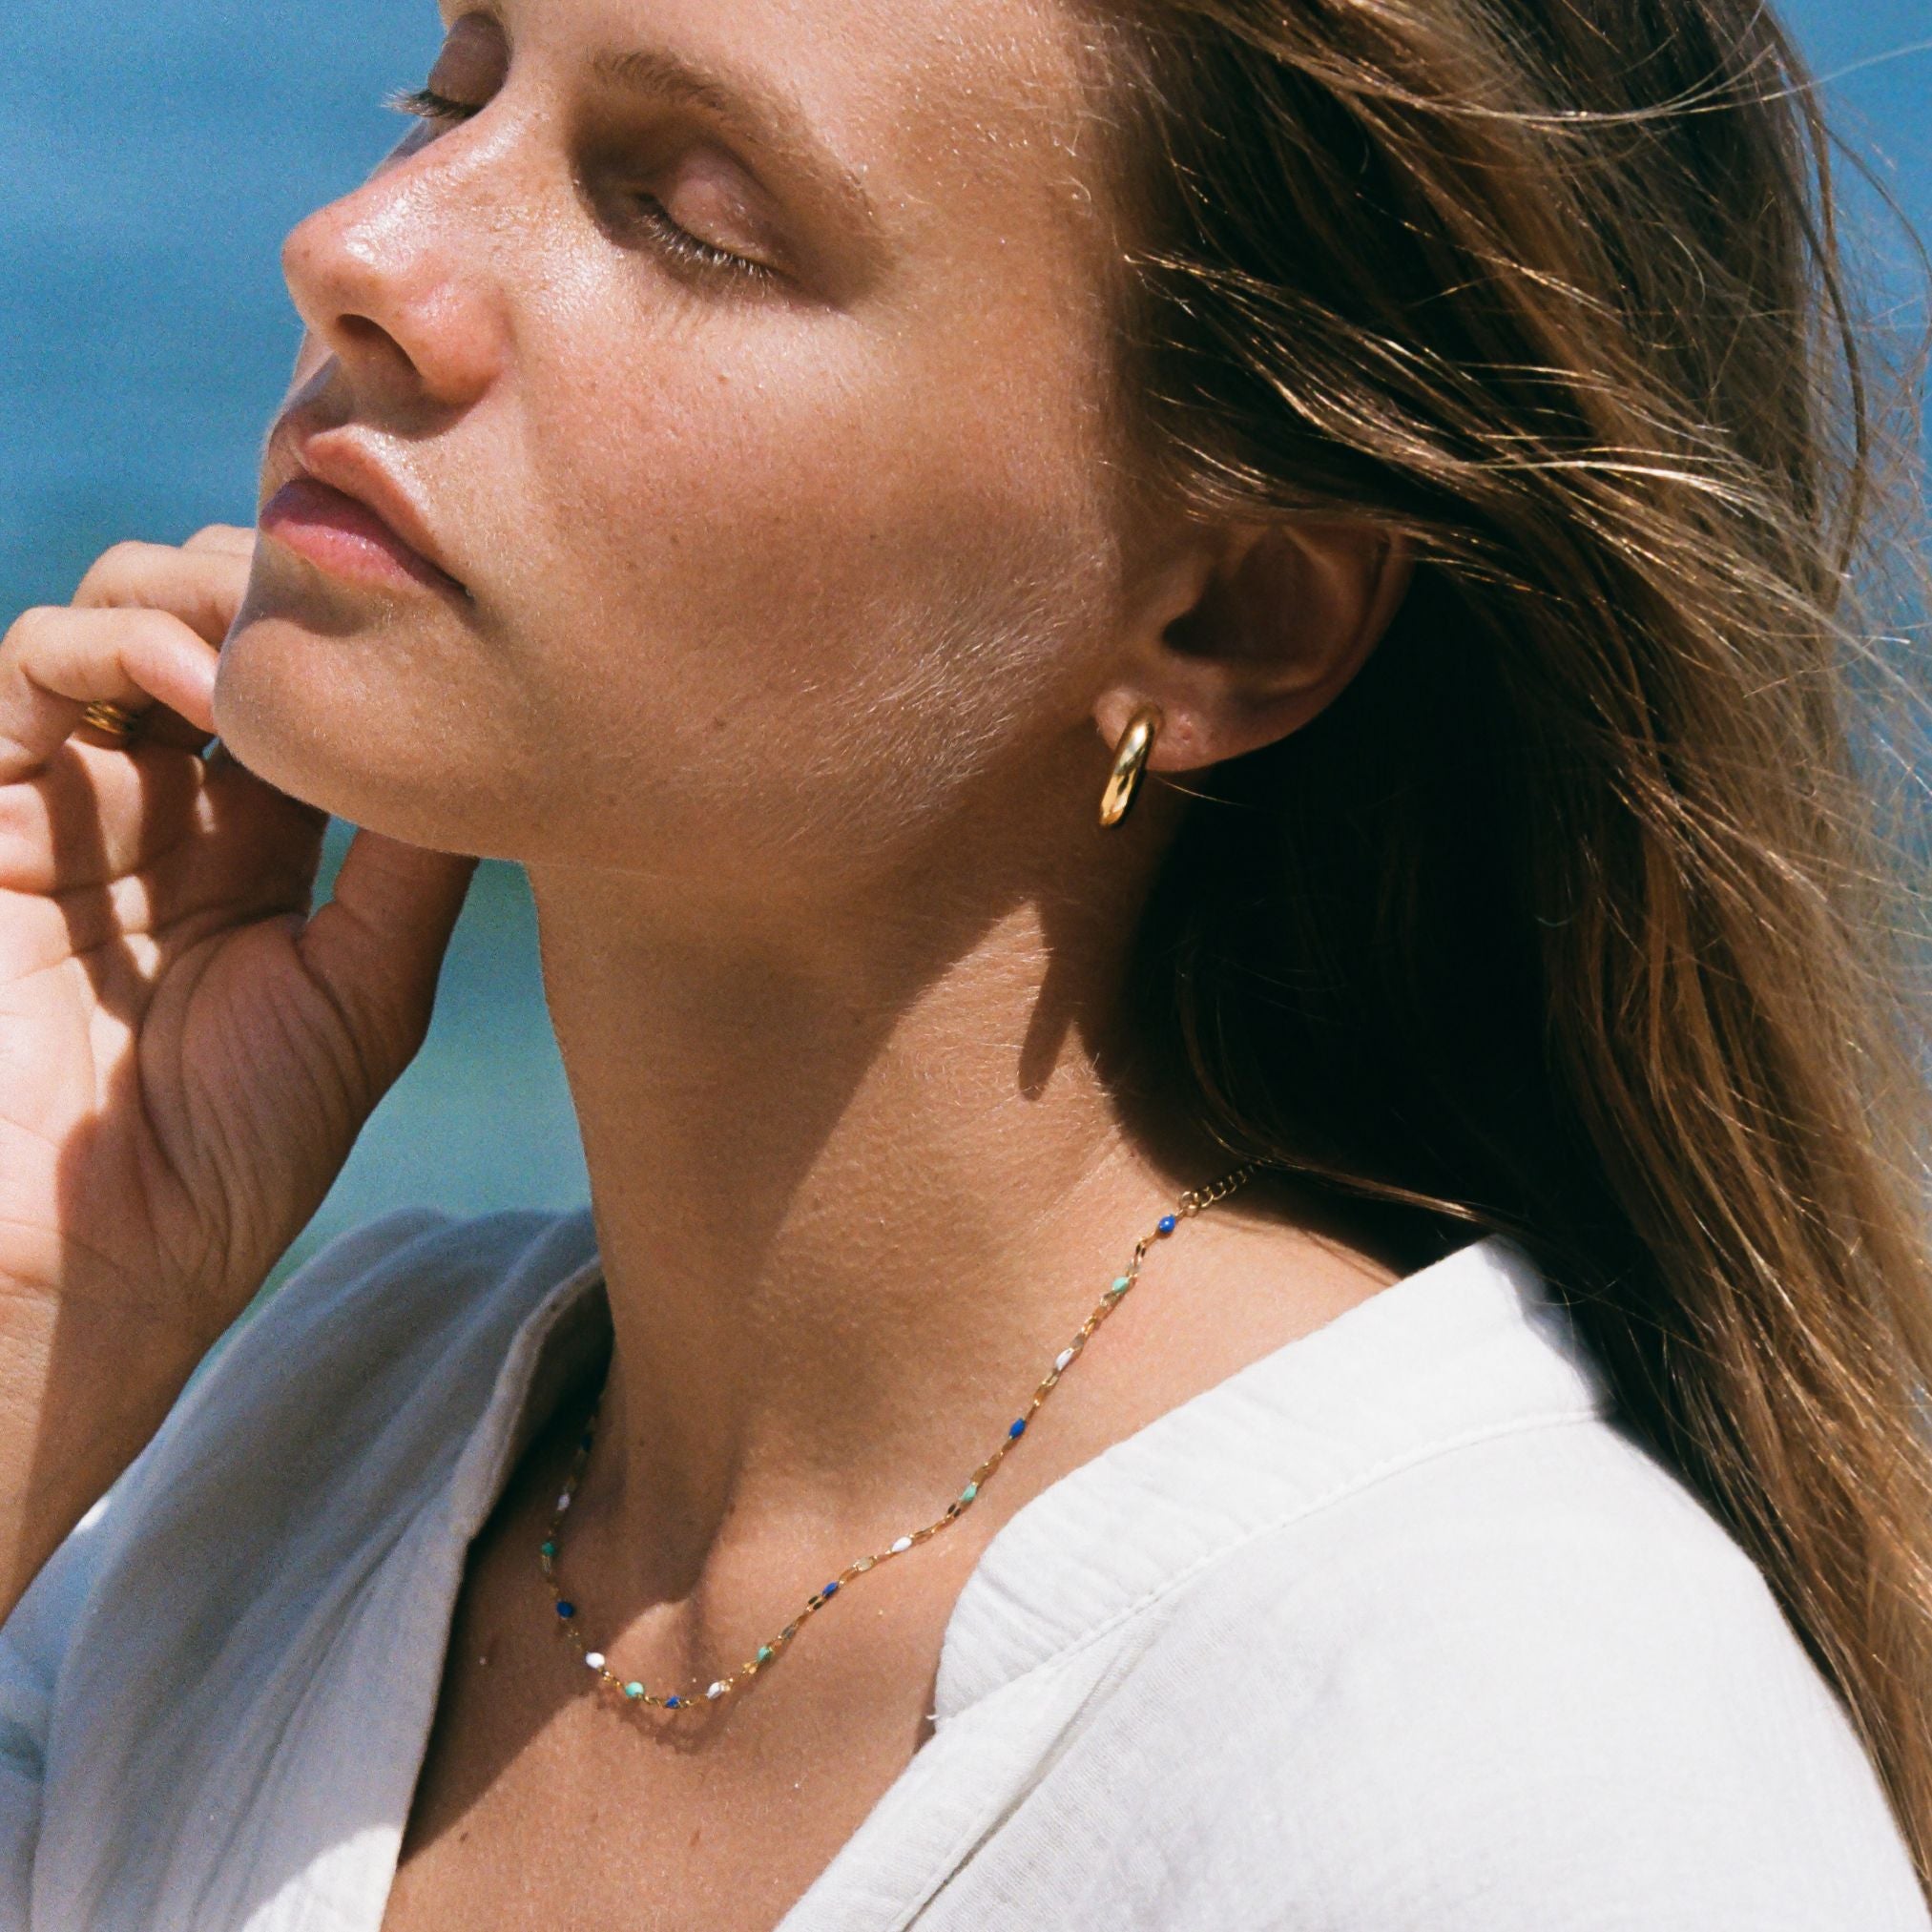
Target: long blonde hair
[{"x": 1571, "y": 918}]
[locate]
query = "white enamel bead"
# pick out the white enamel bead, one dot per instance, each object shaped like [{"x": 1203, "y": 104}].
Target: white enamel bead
[
  {"x": 904, "y": 1543},
  {"x": 716, "y": 1691},
  {"x": 1061, "y": 1360},
  {"x": 563, "y": 1501},
  {"x": 595, "y": 1659}
]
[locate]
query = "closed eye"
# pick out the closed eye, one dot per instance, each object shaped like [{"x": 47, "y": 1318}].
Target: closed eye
[
  {"x": 686, "y": 250},
  {"x": 426, "y": 104},
  {"x": 683, "y": 249}
]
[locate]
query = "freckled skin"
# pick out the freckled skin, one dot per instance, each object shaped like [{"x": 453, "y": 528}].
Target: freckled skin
[{"x": 714, "y": 537}]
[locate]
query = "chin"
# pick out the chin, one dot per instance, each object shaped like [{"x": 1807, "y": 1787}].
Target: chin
[{"x": 308, "y": 714}]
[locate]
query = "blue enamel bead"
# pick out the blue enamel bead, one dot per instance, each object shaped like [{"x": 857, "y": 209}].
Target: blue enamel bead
[
  {"x": 567, "y": 1610},
  {"x": 831, "y": 1589},
  {"x": 1019, "y": 1428},
  {"x": 672, "y": 1703},
  {"x": 1166, "y": 1225}
]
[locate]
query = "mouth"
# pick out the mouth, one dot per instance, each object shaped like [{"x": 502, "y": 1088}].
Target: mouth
[{"x": 340, "y": 511}]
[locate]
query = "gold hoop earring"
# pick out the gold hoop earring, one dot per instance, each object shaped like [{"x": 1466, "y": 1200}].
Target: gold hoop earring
[{"x": 1130, "y": 760}]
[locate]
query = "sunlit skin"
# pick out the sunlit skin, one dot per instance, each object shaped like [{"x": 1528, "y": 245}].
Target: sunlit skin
[{"x": 751, "y": 545}]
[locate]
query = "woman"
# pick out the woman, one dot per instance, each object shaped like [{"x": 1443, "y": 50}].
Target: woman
[{"x": 778, "y": 472}]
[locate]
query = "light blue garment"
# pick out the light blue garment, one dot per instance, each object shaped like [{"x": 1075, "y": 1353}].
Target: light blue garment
[{"x": 1391, "y": 1630}]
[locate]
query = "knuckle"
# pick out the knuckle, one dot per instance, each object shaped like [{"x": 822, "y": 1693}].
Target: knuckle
[
  {"x": 126, "y": 557},
  {"x": 118, "y": 570},
  {"x": 27, "y": 629}
]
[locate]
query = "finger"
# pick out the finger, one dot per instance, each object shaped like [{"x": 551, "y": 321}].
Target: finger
[
  {"x": 377, "y": 947},
  {"x": 204, "y": 589},
  {"x": 194, "y": 820},
  {"x": 231, "y": 539},
  {"x": 69, "y": 917},
  {"x": 54, "y": 663}
]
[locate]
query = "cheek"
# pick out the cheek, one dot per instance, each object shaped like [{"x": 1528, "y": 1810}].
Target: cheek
[{"x": 790, "y": 556}]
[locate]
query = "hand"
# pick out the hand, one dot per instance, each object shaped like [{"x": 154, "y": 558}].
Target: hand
[{"x": 186, "y": 1053}]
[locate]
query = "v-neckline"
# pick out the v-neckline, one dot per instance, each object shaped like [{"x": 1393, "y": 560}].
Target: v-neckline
[{"x": 1107, "y": 1537}]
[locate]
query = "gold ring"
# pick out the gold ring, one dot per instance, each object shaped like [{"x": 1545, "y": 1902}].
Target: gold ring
[{"x": 113, "y": 720}]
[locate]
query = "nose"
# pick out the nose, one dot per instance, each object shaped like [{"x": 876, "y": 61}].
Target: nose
[{"x": 384, "y": 281}]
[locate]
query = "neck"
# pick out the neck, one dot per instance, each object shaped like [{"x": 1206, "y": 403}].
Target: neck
[{"x": 850, "y": 1196}]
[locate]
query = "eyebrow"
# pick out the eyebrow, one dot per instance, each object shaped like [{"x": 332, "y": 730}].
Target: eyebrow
[{"x": 764, "y": 116}]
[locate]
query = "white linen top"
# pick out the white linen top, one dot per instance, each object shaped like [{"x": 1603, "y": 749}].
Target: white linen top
[{"x": 1393, "y": 1629}]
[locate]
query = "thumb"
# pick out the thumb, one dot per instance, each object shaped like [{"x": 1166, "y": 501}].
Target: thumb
[{"x": 376, "y": 948}]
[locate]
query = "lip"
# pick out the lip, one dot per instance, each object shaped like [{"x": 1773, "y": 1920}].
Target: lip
[{"x": 339, "y": 509}]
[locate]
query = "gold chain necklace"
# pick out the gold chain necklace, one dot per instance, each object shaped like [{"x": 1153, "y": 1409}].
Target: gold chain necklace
[{"x": 631, "y": 1690}]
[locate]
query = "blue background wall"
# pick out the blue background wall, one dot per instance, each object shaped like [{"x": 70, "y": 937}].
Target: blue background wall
[{"x": 155, "y": 152}]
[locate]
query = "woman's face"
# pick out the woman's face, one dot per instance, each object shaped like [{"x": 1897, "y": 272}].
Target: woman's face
[{"x": 746, "y": 370}]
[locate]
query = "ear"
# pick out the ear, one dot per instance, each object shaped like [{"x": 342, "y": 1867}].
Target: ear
[{"x": 1250, "y": 634}]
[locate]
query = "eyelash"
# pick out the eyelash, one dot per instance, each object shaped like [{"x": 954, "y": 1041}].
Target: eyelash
[{"x": 684, "y": 248}]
